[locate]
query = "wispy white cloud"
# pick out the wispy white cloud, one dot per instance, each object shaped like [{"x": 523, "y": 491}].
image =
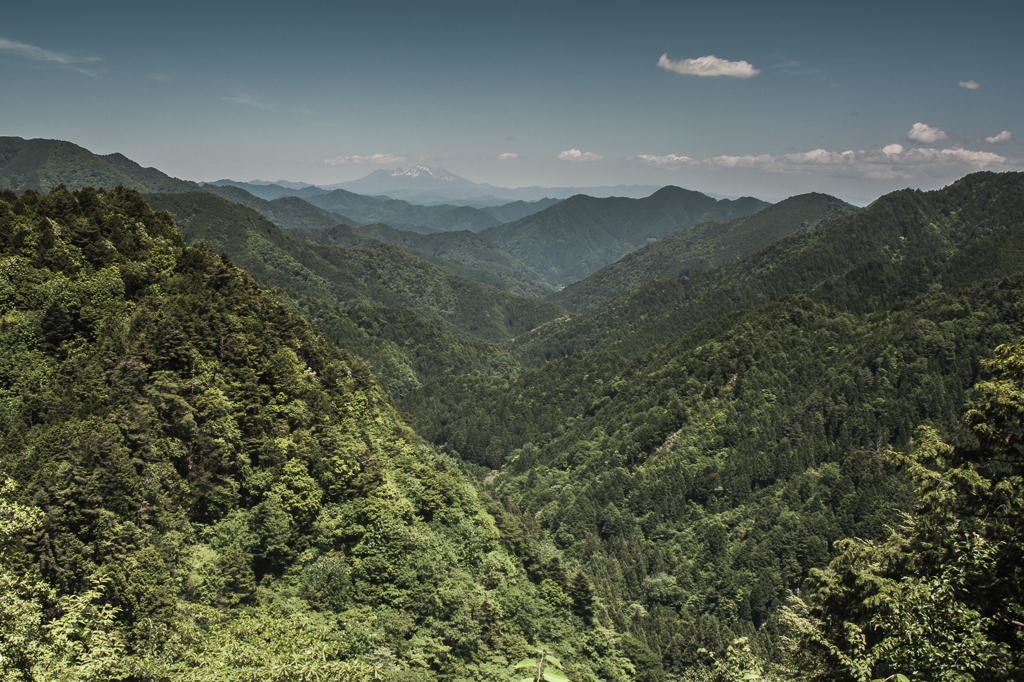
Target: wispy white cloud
[
  {"x": 374, "y": 159},
  {"x": 708, "y": 66},
  {"x": 507, "y": 156},
  {"x": 892, "y": 162},
  {"x": 40, "y": 54},
  {"x": 247, "y": 100},
  {"x": 1001, "y": 138},
  {"x": 970, "y": 85},
  {"x": 922, "y": 132},
  {"x": 577, "y": 155},
  {"x": 665, "y": 161}
]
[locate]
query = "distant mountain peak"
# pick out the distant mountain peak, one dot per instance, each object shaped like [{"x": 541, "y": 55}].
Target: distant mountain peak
[{"x": 426, "y": 171}]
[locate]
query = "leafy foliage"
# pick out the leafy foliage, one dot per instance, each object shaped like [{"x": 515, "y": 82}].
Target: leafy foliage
[{"x": 207, "y": 489}]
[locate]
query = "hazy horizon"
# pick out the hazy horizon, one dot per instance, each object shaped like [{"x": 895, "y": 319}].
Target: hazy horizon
[{"x": 748, "y": 99}]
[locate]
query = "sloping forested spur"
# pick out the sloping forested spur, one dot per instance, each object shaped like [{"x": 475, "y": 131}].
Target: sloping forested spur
[
  {"x": 381, "y": 272},
  {"x": 701, "y": 483},
  {"x": 195, "y": 485}
]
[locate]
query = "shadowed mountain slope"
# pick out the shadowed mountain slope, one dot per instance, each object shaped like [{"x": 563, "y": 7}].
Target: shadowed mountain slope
[
  {"x": 703, "y": 246},
  {"x": 570, "y": 240}
]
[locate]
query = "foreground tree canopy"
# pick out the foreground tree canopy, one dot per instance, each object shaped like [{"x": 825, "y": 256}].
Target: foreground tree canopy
[{"x": 198, "y": 486}]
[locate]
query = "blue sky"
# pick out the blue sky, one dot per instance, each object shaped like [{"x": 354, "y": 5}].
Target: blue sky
[{"x": 854, "y": 99}]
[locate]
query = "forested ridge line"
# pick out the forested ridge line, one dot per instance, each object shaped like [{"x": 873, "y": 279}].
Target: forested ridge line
[{"x": 902, "y": 226}]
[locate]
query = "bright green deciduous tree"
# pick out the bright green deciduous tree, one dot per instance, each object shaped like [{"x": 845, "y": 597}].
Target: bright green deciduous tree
[{"x": 943, "y": 597}]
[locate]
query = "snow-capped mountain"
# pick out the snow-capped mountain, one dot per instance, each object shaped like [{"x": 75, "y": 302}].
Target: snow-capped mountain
[{"x": 429, "y": 185}]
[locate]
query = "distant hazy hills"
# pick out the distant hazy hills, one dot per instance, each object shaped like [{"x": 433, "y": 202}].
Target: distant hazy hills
[
  {"x": 428, "y": 185},
  {"x": 568, "y": 241}
]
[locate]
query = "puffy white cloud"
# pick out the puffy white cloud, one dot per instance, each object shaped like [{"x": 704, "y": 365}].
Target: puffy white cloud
[
  {"x": 666, "y": 161},
  {"x": 375, "y": 159},
  {"x": 1001, "y": 138},
  {"x": 708, "y": 66},
  {"x": 892, "y": 162},
  {"x": 922, "y": 132},
  {"x": 577, "y": 155},
  {"x": 42, "y": 55},
  {"x": 970, "y": 85},
  {"x": 507, "y": 156}
]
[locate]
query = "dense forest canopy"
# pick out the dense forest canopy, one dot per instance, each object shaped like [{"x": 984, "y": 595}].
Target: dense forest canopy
[{"x": 804, "y": 463}]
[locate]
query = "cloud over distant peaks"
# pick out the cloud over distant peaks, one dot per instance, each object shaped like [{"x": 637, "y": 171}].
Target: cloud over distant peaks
[
  {"x": 892, "y": 162},
  {"x": 970, "y": 85},
  {"x": 42, "y": 55},
  {"x": 1001, "y": 138},
  {"x": 665, "y": 161},
  {"x": 376, "y": 159},
  {"x": 922, "y": 132},
  {"x": 577, "y": 155},
  {"x": 507, "y": 156},
  {"x": 708, "y": 66}
]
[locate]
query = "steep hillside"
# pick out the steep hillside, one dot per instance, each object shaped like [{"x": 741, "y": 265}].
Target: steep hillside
[
  {"x": 371, "y": 209},
  {"x": 507, "y": 213},
  {"x": 902, "y": 226},
  {"x": 195, "y": 484},
  {"x": 701, "y": 247},
  {"x": 463, "y": 218},
  {"x": 45, "y": 164},
  {"x": 572, "y": 239},
  {"x": 463, "y": 253},
  {"x": 702, "y": 481},
  {"x": 383, "y": 273}
]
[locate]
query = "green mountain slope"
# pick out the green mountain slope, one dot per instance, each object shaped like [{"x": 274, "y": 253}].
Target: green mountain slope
[
  {"x": 383, "y": 273},
  {"x": 371, "y": 209},
  {"x": 701, "y": 247},
  {"x": 463, "y": 218},
  {"x": 573, "y": 238},
  {"x": 194, "y": 484},
  {"x": 45, "y": 164},
  {"x": 700, "y": 482},
  {"x": 463, "y": 253},
  {"x": 507, "y": 213},
  {"x": 901, "y": 226}
]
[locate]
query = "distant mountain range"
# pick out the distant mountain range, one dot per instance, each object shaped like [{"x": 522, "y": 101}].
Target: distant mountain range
[{"x": 428, "y": 186}]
